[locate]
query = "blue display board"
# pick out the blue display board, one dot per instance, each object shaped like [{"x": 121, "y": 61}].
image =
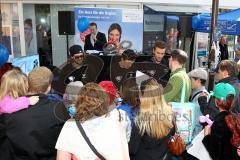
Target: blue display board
[{"x": 26, "y": 63}]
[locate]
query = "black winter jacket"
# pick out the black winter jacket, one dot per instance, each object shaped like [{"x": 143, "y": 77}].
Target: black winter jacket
[
  {"x": 218, "y": 142},
  {"x": 31, "y": 134}
]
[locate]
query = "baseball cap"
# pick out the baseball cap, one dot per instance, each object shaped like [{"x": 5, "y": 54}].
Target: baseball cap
[
  {"x": 75, "y": 49},
  {"x": 199, "y": 73},
  {"x": 222, "y": 90},
  {"x": 110, "y": 88}
]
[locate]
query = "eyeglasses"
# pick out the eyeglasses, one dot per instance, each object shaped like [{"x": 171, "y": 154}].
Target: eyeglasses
[{"x": 78, "y": 57}]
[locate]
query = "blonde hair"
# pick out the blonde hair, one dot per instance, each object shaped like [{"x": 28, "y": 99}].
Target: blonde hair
[
  {"x": 39, "y": 79},
  {"x": 13, "y": 83},
  {"x": 155, "y": 117}
]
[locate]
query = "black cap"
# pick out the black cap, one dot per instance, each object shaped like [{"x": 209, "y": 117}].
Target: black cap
[{"x": 75, "y": 49}]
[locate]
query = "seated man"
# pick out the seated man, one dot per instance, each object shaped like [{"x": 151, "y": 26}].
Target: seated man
[
  {"x": 124, "y": 67},
  {"x": 32, "y": 133},
  {"x": 159, "y": 58},
  {"x": 80, "y": 67}
]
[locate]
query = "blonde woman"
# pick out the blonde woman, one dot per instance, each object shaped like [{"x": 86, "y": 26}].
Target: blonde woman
[
  {"x": 153, "y": 125},
  {"x": 106, "y": 136}
]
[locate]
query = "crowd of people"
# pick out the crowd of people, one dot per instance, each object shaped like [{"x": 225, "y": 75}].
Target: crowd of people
[{"x": 119, "y": 117}]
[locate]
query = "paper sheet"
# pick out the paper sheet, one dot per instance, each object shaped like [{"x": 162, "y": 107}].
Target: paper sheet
[{"x": 197, "y": 149}]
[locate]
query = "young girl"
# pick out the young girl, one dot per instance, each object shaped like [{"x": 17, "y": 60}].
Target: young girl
[
  {"x": 14, "y": 86},
  {"x": 222, "y": 140}
]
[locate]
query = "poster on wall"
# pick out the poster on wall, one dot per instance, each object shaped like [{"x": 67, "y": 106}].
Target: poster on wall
[
  {"x": 128, "y": 21},
  {"x": 201, "y": 56},
  {"x": 202, "y": 44}
]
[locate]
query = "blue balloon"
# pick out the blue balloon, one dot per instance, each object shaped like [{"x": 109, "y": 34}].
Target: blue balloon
[
  {"x": 83, "y": 24},
  {"x": 195, "y": 21},
  {"x": 3, "y": 55}
]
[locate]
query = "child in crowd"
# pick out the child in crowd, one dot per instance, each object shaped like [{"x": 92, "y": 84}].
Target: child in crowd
[
  {"x": 70, "y": 96},
  {"x": 199, "y": 94},
  {"x": 114, "y": 113},
  {"x": 222, "y": 140},
  {"x": 130, "y": 99},
  {"x": 14, "y": 87}
]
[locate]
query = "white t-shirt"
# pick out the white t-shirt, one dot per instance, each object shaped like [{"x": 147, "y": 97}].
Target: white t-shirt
[
  {"x": 122, "y": 117},
  {"x": 107, "y": 137}
]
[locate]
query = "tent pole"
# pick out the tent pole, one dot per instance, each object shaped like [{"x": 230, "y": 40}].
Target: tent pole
[{"x": 215, "y": 5}]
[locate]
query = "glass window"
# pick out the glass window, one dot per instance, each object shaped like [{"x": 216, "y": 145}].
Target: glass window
[
  {"x": 172, "y": 32},
  {"x": 10, "y": 36},
  {"x": 30, "y": 29}
]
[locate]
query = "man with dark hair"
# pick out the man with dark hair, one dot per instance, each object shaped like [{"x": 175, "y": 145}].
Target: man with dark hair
[
  {"x": 95, "y": 40},
  {"x": 159, "y": 51},
  {"x": 80, "y": 67},
  {"x": 172, "y": 91},
  {"x": 121, "y": 68},
  {"x": 124, "y": 67},
  {"x": 227, "y": 72},
  {"x": 159, "y": 57},
  {"x": 32, "y": 133}
]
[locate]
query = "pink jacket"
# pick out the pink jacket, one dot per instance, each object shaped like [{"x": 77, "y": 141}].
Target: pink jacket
[{"x": 10, "y": 105}]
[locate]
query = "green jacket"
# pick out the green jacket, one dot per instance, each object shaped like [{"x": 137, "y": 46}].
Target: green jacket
[{"x": 172, "y": 92}]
